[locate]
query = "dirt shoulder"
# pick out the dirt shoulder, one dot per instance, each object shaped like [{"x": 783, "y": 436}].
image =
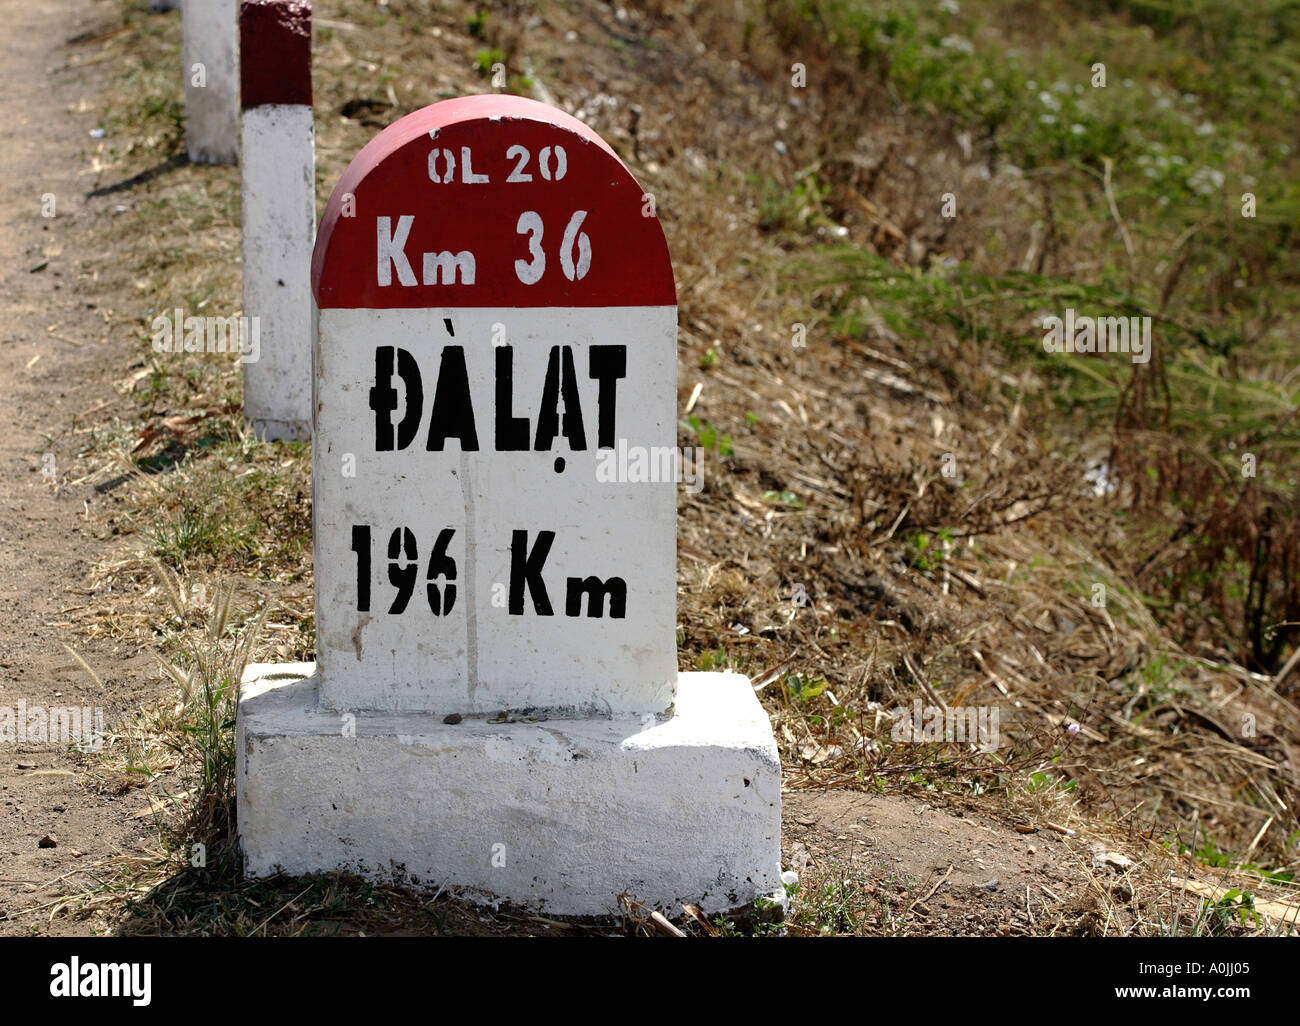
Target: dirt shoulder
[
  {"x": 60, "y": 335},
  {"x": 885, "y": 864}
]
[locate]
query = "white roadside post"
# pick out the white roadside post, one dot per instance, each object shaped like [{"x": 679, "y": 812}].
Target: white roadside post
[
  {"x": 279, "y": 213},
  {"x": 495, "y": 706},
  {"x": 211, "y": 80}
]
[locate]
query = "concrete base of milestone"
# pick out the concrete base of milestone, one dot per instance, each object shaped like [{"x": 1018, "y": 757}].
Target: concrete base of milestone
[
  {"x": 280, "y": 430},
  {"x": 558, "y": 815}
]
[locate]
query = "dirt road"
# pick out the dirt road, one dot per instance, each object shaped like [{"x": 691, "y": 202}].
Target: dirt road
[{"x": 61, "y": 346}]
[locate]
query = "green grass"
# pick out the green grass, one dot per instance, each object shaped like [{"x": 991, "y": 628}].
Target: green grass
[
  {"x": 1148, "y": 177},
  {"x": 840, "y": 900},
  {"x": 231, "y": 502}
]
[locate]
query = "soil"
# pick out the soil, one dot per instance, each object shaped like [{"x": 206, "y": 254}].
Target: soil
[
  {"x": 57, "y": 363},
  {"x": 955, "y": 873}
]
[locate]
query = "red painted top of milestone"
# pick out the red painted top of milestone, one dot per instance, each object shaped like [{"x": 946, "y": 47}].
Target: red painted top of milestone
[{"x": 543, "y": 213}]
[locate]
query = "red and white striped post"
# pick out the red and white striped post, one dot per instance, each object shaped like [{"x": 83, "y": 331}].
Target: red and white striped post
[
  {"x": 279, "y": 213},
  {"x": 208, "y": 38}
]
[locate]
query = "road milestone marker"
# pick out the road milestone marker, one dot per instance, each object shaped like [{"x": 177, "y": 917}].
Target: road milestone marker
[{"x": 496, "y": 706}]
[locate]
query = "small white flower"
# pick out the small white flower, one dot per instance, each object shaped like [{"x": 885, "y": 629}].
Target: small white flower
[{"x": 1206, "y": 181}]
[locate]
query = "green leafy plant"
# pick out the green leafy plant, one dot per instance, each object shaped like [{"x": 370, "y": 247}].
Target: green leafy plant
[
  {"x": 476, "y": 23},
  {"x": 708, "y": 436},
  {"x": 784, "y": 498},
  {"x": 486, "y": 58}
]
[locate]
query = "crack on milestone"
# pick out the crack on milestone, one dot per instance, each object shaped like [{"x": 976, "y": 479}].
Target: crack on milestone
[
  {"x": 362, "y": 622},
  {"x": 470, "y": 578}
]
